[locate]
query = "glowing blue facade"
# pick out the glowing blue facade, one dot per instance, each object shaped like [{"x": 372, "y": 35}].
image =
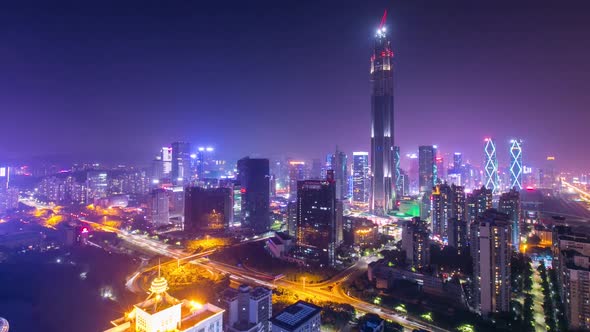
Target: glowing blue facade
[
  {"x": 516, "y": 164},
  {"x": 491, "y": 167}
]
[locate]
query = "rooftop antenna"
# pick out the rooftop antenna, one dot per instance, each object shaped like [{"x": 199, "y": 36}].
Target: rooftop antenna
[{"x": 383, "y": 19}]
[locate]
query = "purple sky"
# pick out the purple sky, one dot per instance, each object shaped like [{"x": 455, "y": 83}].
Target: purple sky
[{"x": 116, "y": 80}]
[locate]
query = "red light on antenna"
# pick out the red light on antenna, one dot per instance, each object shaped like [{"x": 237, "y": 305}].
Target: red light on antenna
[
  {"x": 243, "y": 190},
  {"x": 383, "y": 19}
]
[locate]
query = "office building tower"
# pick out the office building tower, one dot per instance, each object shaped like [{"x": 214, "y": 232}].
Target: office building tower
[
  {"x": 478, "y": 201},
  {"x": 163, "y": 312},
  {"x": 491, "y": 263},
  {"x": 316, "y": 169},
  {"x": 4, "y": 177},
  {"x": 339, "y": 163},
  {"x": 416, "y": 243},
  {"x": 181, "y": 162},
  {"x": 360, "y": 178},
  {"x": 166, "y": 158},
  {"x": 237, "y": 201},
  {"x": 440, "y": 168},
  {"x": 457, "y": 162},
  {"x": 571, "y": 258},
  {"x": 397, "y": 173},
  {"x": 247, "y": 309},
  {"x": 207, "y": 209},
  {"x": 159, "y": 207},
  {"x": 448, "y": 202},
  {"x": 491, "y": 180},
  {"x": 382, "y": 135},
  {"x": 319, "y": 217},
  {"x": 292, "y": 219},
  {"x": 296, "y": 173},
  {"x": 204, "y": 161},
  {"x": 547, "y": 174},
  {"x": 253, "y": 177},
  {"x": 97, "y": 185},
  {"x": 427, "y": 168},
  {"x": 510, "y": 205},
  {"x": 516, "y": 167},
  {"x": 299, "y": 317}
]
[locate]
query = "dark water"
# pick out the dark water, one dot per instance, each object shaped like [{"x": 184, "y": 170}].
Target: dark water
[{"x": 39, "y": 294}]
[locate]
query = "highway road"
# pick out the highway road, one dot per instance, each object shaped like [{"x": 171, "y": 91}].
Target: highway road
[{"x": 330, "y": 290}]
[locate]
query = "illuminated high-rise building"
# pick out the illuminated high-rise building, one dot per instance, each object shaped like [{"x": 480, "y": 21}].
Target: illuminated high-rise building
[
  {"x": 397, "y": 173},
  {"x": 166, "y": 157},
  {"x": 427, "y": 176},
  {"x": 448, "y": 202},
  {"x": 253, "y": 176},
  {"x": 547, "y": 175},
  {"x": 510, "y": 204},
  {"x": 296, "y": 173},
  {"x": 360, "y": 177},
  {"x": 159, "y": 207},
  {"x": 382, "y": 136},
  {"x": 207, "y": 209},
  {"x": 516, "y": 167},
  {"x": 491, "y": 263},
  {"x": 204, "y": 161},
  {"x": 338, "y": 162},
  {"x": 416, "y": 243},
  {"x": 181, "y": 162},
  {"x": 457, "y": 162},
  {"x": 491, "y": 180},
  {"x": 319, "y": 217}
]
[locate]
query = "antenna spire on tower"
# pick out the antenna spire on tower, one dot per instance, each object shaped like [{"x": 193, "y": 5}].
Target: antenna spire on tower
[{"x": 383, "y": 19}]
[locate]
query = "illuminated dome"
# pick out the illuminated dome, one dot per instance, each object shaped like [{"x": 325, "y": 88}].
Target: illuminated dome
[
  {"x": 3, "y": 325},
  {"x": 159, "y": 286}
]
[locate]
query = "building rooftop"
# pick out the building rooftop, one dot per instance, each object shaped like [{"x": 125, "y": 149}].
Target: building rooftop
[
  {"x": 157, "y": 304},
  {"x": 295, "y": 315},
  {"x": 191, "y": 316}
]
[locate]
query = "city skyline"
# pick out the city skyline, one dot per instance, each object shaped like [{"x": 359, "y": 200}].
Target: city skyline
[{"x": 150, "y": 80}]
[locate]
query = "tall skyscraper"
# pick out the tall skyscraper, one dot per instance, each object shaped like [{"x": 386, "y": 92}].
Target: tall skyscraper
[
  {"x": 207, "y": 209},
  {"x": 491, "y": 166},
  {"x": 510, "y": 205},
  {"x": 296, "y": 173},
  {"x": 181, "y": 162},
  {"x": 253, "y": 177},
  {"x": 491, "y": 263},
  {"x": 382, "y": 135},
  {"x": 319, "y": 217},
  {"x": 427, "y": 168},
  {"x": 204, "y": 159},
  {"x": 397, "y": 173},
  {"x": 416, "y": 243},
  {"x": 339, "y": 163},
  {"x": 360, "y": 177},
  {"x": 479, "y": 201},
  {"x": 159, "y": 207},
  {"x": 457, "y": 162},
  {"x": 516, "y": 168},
  {"x": 448, "y": 202}
]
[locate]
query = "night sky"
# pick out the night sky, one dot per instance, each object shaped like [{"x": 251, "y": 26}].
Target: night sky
[{"x": 116, "y": 80}]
